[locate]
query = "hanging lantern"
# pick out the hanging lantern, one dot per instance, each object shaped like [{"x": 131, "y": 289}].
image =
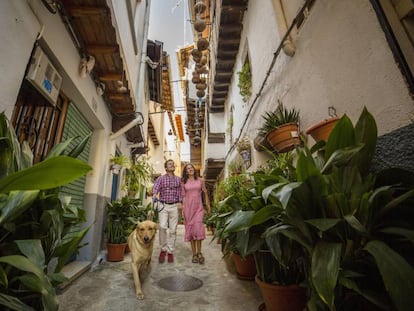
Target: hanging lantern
[
  {"x": 196, "y": 53},
  {"x": 199, "y": 25},
  {"x": 202, "y": 44},
  {"x": 201, "y": 93},
  {"x": 202, "y": 70},
  {"x": 201, "y": 86},
  {"x": 200, "y": 7}
]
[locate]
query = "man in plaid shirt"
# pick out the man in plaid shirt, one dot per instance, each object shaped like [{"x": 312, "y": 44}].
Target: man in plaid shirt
[{"x": 167, "y": 190}]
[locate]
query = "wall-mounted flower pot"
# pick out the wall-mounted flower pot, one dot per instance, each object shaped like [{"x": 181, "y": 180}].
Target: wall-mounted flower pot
[
  {"x": 322, "y": 130},
  {"x": 116, "y": 168},
  {"x": 284, "y": 138}
]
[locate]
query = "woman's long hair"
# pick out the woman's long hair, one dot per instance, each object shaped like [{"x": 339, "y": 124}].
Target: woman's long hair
[{"x": 185, "y": 175}]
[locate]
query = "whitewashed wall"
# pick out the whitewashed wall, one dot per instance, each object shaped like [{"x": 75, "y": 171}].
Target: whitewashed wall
[{"x": 342, "y": 60}]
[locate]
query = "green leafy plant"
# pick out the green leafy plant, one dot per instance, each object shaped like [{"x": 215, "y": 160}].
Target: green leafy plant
[
  {"x": 355, "y": 227},
  {"x": 121, "y": 160},
  {"x": 35, "y": 229},
  {"x": 138, "y": 175},
  {"x": 274, "y": 119},
  {"x": 245, "y": 81},
  {"x": 122, "y": 217}
]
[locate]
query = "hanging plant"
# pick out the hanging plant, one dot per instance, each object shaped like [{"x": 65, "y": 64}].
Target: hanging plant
[{"x": 245, "y": 82}]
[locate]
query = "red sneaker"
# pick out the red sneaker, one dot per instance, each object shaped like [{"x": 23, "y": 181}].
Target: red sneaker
[
  {"x": 161, "y": 259},
  {"x": 170, "y": 258}
]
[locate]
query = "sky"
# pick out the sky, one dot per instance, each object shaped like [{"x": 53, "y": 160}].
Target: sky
[{"x": 169, "y": 23}]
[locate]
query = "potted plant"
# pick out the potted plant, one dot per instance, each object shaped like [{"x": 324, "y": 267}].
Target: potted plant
[
  {"x": 38, "y": 233},
  {"x": 138, "y": 177},
  {"x": 353, "y": 224},
  {"x": 245, "y": 81},
  {"x": 117, "y": 162},
  {"x": 116, "y": 229},
  {"x": 232, "y": 196},
  {"x": 244, "y": 149},
  {"x": 281, "y": 128},
  {"x": 278, "y": 277}
]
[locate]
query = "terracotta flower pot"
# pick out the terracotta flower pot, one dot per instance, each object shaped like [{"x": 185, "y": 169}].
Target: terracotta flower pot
[
  {"x": 116, "y": 252},
  {"x": 278, "y": 297},
  {"x": 322, "y": 130},
  {"x": 284, "y": 138},
  {"x": 245, "y": 267}
]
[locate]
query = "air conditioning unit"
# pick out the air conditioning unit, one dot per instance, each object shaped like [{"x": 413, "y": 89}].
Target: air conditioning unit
[{"x": 44, "y": 76}]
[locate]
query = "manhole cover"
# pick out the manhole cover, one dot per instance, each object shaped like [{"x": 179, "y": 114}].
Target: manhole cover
[{"x": 180, "y": 283}]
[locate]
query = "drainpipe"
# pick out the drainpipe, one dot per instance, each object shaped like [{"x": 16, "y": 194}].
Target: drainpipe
[{"x": 288, "y": 46}]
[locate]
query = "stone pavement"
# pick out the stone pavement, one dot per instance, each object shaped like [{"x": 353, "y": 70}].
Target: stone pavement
[{"x": 110, "y": 287}]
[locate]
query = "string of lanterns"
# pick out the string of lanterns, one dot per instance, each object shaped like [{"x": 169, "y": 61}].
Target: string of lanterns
[{"x": 200, "y": 72}]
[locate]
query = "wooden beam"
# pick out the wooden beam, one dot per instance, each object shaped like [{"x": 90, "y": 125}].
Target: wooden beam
[
  {"x": 85, "y": 11},
  {"x": 110, "y": 76},
  {"x": 118, "y": 96},
  {"x": 102, "y": 49}
]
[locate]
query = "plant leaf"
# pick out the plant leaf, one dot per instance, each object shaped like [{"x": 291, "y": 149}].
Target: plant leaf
[
  {"x": 14, "y": 303},
  {"x": 325, "y": 270},
  {"x": 396, "y": 272},
  {"x": 51, "y": 173}
]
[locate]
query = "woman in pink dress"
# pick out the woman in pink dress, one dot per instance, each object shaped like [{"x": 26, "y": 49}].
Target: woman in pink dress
[{"x": 193, "y": 211}]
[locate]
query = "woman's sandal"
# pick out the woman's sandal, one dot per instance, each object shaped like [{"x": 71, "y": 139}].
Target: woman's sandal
[
  {"x": 195, "y": 259},
  {"x": 200, "y": 259}
]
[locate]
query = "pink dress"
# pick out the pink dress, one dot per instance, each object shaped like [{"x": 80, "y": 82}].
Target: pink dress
[{"x": 193, "y": 210}]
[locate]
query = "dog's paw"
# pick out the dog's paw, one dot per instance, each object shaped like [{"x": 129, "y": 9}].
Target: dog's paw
[{"x": 140, "y": 295}]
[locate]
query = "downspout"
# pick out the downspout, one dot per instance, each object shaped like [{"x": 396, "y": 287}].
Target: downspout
[{"x": 288, "y": 46}]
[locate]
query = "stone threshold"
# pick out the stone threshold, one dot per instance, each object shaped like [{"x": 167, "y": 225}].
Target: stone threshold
[{"x": 73, "y": 270}]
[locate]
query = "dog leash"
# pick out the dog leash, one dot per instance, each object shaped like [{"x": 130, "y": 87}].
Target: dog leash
[{"x": 155, "y": 208}]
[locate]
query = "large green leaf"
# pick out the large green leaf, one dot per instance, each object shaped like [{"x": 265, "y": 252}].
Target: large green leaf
[
  {"x": 264, "y": 214},
  {"x": 48, "y": 174},
  {"x": 396, "y": 272},
  {"x": 43, "y": 287},
  {"x": 22, "y": 263},
  {"x": 342, "y": 135},
  {"x": 66, "y": 249},
  {"x": 60, "y": 148},
  {"x": 13, "y": 303},
  {"x": 323, "y": 224},
  {"x": 49, "y": 299},
  {"x": 239, "y": 220},
  {"x": 325, "y": 270},
  {"x": 366, "y": 132},
  {"x": 407, "y": 233},
  {"x": 305, "y": 167},
  {"x": 17, "y": 202},
  {"x": 33, "y": 250}
]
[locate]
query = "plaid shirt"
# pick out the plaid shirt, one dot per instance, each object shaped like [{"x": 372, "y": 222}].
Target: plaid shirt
[{"x": 169, "y": 188}]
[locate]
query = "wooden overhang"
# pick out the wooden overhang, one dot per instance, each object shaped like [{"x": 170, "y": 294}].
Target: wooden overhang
[
  {"x": 90, "y": 24},
  {"x": 213, "y": 169},
  {"x": 229, "y": 32}
]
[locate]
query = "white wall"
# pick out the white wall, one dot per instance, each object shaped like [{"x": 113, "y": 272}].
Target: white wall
[
  {"x": 18, "y": 30},
  {"x": 342, "y": 59}
]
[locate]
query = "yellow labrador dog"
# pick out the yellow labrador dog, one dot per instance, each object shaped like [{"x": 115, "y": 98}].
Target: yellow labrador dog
[{"x": 141, "y": 243}]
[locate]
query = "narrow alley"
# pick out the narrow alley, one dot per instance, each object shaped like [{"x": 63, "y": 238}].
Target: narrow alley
[{"x": 109, "y": 286}]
